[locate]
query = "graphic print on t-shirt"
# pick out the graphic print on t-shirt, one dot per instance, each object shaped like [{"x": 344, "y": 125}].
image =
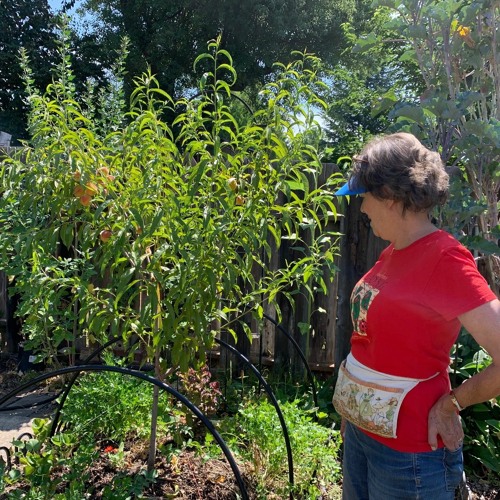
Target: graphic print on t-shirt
[{"x": 361, "y": 298}]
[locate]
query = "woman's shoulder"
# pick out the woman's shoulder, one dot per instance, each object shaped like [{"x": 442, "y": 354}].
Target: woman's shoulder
[
  {"x": 445, "y": 239},
  {"x": 444, "y": 243},
  {"x": 449, "y": 245}
]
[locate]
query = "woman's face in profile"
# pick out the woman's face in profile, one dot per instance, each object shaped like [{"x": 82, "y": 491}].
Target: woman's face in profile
[{"x": 377, "y": 211}]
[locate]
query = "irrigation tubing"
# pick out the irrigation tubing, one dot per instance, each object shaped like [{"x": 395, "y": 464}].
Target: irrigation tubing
[
  {"x": 63, "y": 392},
  {"x": 137, "y": 374},
  {"x": 300, "y": 353},
  {"x": 31, "y": 405},
  {"x": 274, "y": 402},
  {"x": 7, "y": 460}
]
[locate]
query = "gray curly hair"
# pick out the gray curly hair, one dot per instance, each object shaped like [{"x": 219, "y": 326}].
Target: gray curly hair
[{"x": 399, "y": 167}]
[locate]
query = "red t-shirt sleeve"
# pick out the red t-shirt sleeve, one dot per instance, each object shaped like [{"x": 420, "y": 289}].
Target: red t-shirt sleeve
[{"x": 456, "y": 286}]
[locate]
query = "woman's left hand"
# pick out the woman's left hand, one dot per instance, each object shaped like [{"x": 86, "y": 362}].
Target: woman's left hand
[{"x": 445, "y": 422}]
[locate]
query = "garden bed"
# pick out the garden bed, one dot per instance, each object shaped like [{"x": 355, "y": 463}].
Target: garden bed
[
  {"x": 181, "y": 473},
  {"x": 185, "y": 477}
]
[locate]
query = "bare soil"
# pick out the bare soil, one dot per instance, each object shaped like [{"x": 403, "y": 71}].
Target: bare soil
[{"x": 184, "y": 476}]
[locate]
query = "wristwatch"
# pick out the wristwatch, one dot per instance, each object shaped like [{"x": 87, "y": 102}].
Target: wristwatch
[{"x": 454, "y": 400}]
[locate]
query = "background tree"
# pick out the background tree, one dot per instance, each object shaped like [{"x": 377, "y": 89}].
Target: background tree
[
  {"x": 28, "y": 24},
  {"x": 167, "y": 36},
  {"x": 362, "y": 80},
  {"x": 32, "y": 26},
  {"x": 455, "y": 47}
]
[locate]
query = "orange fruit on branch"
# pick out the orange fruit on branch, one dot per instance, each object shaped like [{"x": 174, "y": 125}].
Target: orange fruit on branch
[
  {"x": 105, "y": 235},
  {"x": 86, "y": 200},
  {"x": 232, "y": 183},
  {"x": 90, "y": 188},
  {"x": 79, "y": 191}
]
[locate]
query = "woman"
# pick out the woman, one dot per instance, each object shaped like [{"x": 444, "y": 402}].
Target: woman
[{"x": 405, "y": 440}]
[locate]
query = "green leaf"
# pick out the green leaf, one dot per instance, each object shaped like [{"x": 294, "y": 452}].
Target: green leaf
[
  {"x": 481, "y": 244},
  {"x": 66, "y": 234},
  {"x": 260, "y": 311},
  {"x": 137, "y": 216},
  {"x": 366, "y": 43},
  {"x": 14, "y": 474},
  {"x": 412, "y": 112},
  {"x": 384, "y": 103},
  {"x": 201, "y": 57},
  {"x": 304, "y": 327},
  {"x": 228, "y": 68},
  {"x": 156, "y": 221},
  {"x": 295, "y": 185}
]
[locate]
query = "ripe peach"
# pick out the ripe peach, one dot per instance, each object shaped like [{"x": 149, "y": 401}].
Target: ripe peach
[
  {"x": 86, "y": 200},
  {"x": 78, "y": 191},
  {"x": 105, "y": 235},
  {"x": 104, "y": 171},
  {"x": 90, "y": 188}
]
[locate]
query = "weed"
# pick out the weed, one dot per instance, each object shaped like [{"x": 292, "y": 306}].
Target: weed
[
  {"x": 113, "y": 407},
  {"x": 256, "y": 434}
]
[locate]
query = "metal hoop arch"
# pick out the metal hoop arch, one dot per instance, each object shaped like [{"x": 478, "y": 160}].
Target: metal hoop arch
[
  {"x": 274, "y": 402},
  {"x": 300, "y": 353},
  {"x": 256, "y": 372},
  {"x": 137, "y": 374}
]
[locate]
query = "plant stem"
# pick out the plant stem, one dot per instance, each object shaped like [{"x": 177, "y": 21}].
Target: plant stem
[{"x": 154, "y": 415}]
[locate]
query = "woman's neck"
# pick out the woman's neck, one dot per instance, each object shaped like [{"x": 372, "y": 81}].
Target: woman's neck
[{"x": 414, "y": 226}]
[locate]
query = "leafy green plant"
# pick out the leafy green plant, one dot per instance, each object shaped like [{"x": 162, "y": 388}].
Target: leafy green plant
[
  {"x": 256, "y": 434},
  {"x": 62, "y": 468},
  {"x": 126, "y": 486},
  {"x": 158, "y": 231},
  {"x": 48, "y": 465},
  {"x": 110, "y": 406},
  {"x": 481, "y": 421},
  {"x": 116, "y": 456}
]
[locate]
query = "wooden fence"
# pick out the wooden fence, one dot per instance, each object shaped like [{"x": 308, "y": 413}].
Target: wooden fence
[{"x": 327, "y": 341}]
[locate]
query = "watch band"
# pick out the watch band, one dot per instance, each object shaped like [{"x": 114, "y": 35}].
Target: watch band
[{"x": 454, "y": 400}]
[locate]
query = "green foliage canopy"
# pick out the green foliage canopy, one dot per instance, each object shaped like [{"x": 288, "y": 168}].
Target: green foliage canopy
[
  {"x": 455, "y": 46},
  {"x": 190, "y": 220}
]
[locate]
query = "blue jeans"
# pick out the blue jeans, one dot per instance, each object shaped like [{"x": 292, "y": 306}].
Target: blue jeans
[{"x": 373, "y": 471}]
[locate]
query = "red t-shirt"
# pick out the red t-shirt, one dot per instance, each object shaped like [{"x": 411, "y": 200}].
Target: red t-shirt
[{"x": 404, "y": 313}]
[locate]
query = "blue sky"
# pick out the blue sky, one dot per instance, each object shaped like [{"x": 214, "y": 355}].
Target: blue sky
[
  {"x": 77, "y": 19},
  {"x": 56, "y": 5}
]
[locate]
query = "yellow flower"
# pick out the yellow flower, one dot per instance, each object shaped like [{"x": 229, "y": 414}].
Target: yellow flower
[{"x": 463, "y": 31}]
